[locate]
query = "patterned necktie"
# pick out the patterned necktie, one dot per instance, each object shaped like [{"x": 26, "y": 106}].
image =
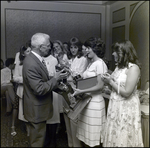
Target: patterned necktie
[
  {"x": 11, "y": 75},
  {"x": 43, "y": 62}
]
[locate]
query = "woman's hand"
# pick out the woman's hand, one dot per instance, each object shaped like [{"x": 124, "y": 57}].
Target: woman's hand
[
  {"x": 76, "y": 91},
  {"x": 106, "y": 78}
]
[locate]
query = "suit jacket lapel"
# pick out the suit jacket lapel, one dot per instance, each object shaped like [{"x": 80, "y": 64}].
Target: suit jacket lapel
[{"x": 40, "y": 64}]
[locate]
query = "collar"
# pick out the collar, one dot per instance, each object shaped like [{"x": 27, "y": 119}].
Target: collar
[{"x": 37, "y": 55}]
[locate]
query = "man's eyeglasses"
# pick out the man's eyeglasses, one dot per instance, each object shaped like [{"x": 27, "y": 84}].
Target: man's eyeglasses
[{"x": 45, "y": 46}]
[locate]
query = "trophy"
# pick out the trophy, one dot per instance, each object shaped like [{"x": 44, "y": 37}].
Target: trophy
[{"x": 64, "y": 88}]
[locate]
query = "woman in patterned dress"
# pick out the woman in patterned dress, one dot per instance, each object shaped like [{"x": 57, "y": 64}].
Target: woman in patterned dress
[
  {"x": 123, "y": 125},
  {"x": 92, "y": 117}
]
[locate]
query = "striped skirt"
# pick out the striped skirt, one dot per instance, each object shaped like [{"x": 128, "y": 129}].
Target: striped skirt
[{"x": 91, "y": 121}]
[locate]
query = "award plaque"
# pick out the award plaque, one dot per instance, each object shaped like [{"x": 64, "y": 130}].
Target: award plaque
[
  {"x": 79, "y": 106},
  {"x": 75, "y": 104},
  {"x": 86, "y": 83}
]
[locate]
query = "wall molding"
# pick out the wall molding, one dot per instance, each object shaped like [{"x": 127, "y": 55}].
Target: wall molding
[
  {"x": 135, "y": 9},
  {"x": 118, "y": 11}
]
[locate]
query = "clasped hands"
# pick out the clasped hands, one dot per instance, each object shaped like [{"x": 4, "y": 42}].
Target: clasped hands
[{"x": 106, "y": 78}]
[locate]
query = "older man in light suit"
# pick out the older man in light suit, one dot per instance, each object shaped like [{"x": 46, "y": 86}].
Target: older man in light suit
[{"x": 38, "y": 87}]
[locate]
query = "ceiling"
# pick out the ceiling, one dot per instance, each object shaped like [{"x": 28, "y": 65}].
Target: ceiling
[
  {"x": 89, "y": 2},
  {"x": 82, "y": 2}
]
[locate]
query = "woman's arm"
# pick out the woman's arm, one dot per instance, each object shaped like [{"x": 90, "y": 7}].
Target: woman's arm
[
  {"x": 82, "y": 67},
  {"x": 17, "y": 76},
  {"x": 131, "y": 81}
]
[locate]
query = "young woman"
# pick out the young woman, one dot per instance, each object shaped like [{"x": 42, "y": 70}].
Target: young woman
[
  {"x": 78, "y": 64},
  {"x": 59, "y": 53},
  {"x": 123, "y": 125},
  {"x": 92, "y": 118},
  {"x": 17, "y": 77}
]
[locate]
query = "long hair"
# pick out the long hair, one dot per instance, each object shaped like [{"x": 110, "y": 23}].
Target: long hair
[
  {"x": 28, "y": 44},
  {"x": 76, "y": 42},
  {"x": 2, "y": 64},
  {"x": 68, "y": 52},
  {"x": 126, "y": 53},
  {"x": 21, "y": 55},
  {"x": 9, "y": 61},
  {"x": 59, "y": 43}
]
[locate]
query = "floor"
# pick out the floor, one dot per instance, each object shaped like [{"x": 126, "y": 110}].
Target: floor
[{"x": 21, "y": 139}]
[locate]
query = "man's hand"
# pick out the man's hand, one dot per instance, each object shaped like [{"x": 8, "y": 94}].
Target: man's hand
[
  {"x": 12, "y": 81},
  {"x": 61, "y": 75}
]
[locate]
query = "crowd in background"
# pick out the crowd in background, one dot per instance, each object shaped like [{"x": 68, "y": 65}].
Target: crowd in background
[{"x": 30, "y": 80}]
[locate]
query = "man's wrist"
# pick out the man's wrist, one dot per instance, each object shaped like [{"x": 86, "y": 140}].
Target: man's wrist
[{"x": 111, "y": 82}]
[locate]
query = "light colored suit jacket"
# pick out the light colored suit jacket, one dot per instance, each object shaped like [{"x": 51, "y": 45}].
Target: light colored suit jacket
[{"x": 38, "y": 86}]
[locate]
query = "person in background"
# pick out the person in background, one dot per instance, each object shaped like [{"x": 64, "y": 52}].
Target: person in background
[
  {"x": 7, "y": 87},
  {"x": 147, "y": 87},
  {"x": 144, "y": 94},
  {"x": 17, "y": 77},
  {"x": 59, "y": 53},
  {"x": 92, "y": 118},
  {"x": 78, "y": 64},
  {"x": 38, "y": 87},
  {"x": 52, "y": 123},
  {"x": 77, "y": 57},
  {"x": 85, "y": 53},
  {"x": 66, "y": 49},
  {"x": 2, "y": 64},
  {"x": 123, "y": 125}
]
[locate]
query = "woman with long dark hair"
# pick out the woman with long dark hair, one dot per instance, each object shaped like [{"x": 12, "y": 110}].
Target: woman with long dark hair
[
  {"x": 123, "y": 125},
  {"x": 17, "y": 77}
]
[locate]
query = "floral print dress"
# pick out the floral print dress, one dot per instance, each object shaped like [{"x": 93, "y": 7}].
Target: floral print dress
[{"x": 123, "y": 125}]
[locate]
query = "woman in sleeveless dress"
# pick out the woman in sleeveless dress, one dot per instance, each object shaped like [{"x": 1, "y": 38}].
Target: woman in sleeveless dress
[{"x": 123, "y": 124}]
